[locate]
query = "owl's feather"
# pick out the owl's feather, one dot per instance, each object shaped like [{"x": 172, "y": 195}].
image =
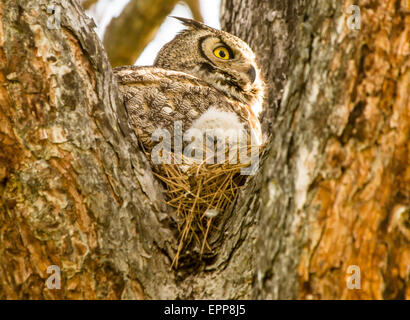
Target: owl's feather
[{"x": 155, "y": 98}]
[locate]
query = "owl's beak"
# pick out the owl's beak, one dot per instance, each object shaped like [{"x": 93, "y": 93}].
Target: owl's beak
[
  {"x": 247, "y": 77},
  {"x": 252, "y": 74}
]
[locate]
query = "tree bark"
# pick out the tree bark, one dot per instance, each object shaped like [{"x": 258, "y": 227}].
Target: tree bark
[
  {"x": 76, "y": 192},
  {"x": 336, "y": 190}
]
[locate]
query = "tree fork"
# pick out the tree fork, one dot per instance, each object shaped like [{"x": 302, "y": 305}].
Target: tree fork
[{"x": 76, "y": 192}]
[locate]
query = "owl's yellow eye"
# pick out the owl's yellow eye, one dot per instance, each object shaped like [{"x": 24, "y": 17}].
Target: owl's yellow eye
[{"x": 222, "y": 53}]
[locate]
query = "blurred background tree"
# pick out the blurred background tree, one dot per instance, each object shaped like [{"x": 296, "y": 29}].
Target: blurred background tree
[{"x": 127, "y": 34}]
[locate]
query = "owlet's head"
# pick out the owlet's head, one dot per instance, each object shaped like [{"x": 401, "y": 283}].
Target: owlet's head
[{"x": 217, "y": 57}]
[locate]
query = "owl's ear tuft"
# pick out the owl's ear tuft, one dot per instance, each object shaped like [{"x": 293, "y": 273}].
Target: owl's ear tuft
[{"x": 193, "y": 24}]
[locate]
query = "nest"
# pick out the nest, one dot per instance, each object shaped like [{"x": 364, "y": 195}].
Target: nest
[{"x": 200, "y": 194}]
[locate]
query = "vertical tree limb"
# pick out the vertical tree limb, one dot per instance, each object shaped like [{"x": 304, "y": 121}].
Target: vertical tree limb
[{"x": 336, "y": 191}]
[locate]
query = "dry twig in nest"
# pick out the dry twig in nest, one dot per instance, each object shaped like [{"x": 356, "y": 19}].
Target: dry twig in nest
[{"x": 199, "y": 192}]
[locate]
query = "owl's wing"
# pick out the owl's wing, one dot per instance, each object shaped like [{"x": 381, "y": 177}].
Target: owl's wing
[{"x": 155, "y": 98}]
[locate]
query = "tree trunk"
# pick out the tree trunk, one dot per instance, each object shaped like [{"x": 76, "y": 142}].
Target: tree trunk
[
  {"x": 76, "y": 192},
  {"x": 335, "y": 200}
]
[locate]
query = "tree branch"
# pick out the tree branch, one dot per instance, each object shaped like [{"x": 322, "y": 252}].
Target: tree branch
[
  {"x": 127, "y": 35},
  {"x": 88, "y": 3},
  {"x": 195, "y": 8}
]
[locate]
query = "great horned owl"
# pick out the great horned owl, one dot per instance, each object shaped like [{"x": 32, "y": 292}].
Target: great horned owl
[
  {"x": 207, "y": 81},
  {"x": 206, "y": 78}
]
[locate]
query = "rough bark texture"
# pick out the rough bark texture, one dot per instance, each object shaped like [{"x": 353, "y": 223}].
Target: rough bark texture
[
  {"x": 269, "y": 27},
  {"x": 336, "y": 185},
  {"x": 76, "y": 192}
]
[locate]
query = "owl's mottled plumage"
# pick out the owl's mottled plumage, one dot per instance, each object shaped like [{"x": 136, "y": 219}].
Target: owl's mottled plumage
[{"x": 188, "y": 79}]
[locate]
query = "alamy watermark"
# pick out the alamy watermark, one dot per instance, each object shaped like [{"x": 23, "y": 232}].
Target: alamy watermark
[
  {"x": 353, "y": 22},
  {"x": 54, "y": 19},
  {"x": 353, "y": 281},
  {"x": 54, "y": 281},
  {"x": 205, "y": 147}
]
